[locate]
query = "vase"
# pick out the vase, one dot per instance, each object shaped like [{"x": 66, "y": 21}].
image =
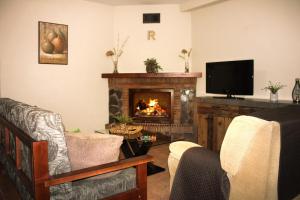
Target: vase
[
  {"x": 273, "y": 97},
  {"x": 115, "y": 62},
  {"x": 296, "y": 91},
  {"x": 186, "y": 66}
]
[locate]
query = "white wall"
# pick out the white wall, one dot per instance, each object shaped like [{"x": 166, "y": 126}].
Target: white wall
[
  {"x": 266, "y": 30},
  {"x": 76, "y": 90},
  {"x": 172, "y": 35}
]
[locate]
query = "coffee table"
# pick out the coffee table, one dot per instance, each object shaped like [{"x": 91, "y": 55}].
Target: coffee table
[{"x": 135, "y": 145}]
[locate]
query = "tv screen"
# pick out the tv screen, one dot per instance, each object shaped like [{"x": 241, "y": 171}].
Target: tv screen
[{"x": 230, "y": 77}]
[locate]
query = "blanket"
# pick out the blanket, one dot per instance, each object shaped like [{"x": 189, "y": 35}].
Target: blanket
[
  {"x": 199, "y": 176},
  {"x": 289, "y": 163}
]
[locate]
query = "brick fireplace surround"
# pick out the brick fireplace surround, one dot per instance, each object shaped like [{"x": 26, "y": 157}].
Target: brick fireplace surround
[{"x": 183, "y": 86}]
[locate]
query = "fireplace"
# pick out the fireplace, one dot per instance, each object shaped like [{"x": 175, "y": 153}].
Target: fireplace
[
  {"x": 151, "y": 105},
  {"x": 171, "y": 109}
]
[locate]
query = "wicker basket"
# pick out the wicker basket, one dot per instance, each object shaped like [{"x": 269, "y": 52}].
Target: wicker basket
[{"x": 128, "y": 131}]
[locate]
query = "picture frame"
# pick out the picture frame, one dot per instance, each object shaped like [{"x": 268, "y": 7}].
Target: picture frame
[{"x": 53, "y": 43}]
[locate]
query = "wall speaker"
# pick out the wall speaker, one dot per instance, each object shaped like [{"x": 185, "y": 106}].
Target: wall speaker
[{"x": 151, "y": 18}]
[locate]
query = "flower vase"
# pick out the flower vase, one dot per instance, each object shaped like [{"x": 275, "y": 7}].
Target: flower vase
[
  {"x": 186, "y": 66},
  {"x": 115, "y": 66},
  {"x": 274, "y": 97},
  {"x": 296, "y": 91}
]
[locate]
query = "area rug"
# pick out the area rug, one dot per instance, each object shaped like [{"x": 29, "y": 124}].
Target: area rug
[{"x": 153, "y": 169}]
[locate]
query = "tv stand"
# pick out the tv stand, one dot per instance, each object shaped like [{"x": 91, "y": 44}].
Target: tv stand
[
  {"x": 213, "y": 116},
  {"x": 229, "y": 97}
]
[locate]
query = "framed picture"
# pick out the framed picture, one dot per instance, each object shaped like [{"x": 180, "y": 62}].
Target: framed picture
[{"x": 53, "y": 43}]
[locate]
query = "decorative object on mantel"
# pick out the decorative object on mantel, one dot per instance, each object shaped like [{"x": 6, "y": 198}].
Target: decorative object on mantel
[
  {"x": 185, "y": 55},
  {"x": 296, "y": 91},
  {"x": 116, "y": 52},
  {"x": 53, "y": 43},
  {"x": 152, "y": 66},
  {"x": 274, "y": 88}
]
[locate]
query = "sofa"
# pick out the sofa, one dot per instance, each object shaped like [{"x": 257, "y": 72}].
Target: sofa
[
  {"x": 34, "y": 152},
  {"x": 258, "y": 155}
]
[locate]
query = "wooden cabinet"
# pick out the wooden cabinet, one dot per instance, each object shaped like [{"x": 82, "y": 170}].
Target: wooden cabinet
[
  {"x": 220, "y": 125},
  {"x": 212, "y": 117}
]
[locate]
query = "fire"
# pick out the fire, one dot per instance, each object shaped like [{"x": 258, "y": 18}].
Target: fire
[
  {"x": 153, "y": 102},
  {"x": 150, "y": 108}
]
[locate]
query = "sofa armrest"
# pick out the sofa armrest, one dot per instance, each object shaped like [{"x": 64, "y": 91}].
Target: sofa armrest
[
  {"x": 139, "y": 162},
  {"x": 179, "y": 147}
]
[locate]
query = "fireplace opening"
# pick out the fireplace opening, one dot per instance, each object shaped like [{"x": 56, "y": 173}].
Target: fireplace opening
[{"x": 151, "y": 105}]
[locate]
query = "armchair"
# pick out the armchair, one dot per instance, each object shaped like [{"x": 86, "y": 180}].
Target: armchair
[{"x": 249, "y": 155}]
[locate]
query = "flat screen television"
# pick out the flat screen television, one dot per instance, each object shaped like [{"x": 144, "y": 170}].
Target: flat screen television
[{"x": 230, "y": 77}]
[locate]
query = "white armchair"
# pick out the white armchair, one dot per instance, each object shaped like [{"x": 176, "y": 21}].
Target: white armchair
[{"x": 249, "y": 154}]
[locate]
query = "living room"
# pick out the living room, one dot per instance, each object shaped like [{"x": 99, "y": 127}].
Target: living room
[{"x": 216, "y": 30}]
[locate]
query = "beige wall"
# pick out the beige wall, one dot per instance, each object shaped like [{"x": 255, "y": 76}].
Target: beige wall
[
  {"x": 266, "y": 30},
  {"x": 172, "y": 34},
  {"x": 76, "y": 90}
]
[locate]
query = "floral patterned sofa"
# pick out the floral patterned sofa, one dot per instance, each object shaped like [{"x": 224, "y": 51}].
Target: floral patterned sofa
[{"x": 34, "y": 153}]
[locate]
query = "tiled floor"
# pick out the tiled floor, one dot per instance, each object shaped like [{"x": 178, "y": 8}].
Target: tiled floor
[{"x": 159, "y": 184}]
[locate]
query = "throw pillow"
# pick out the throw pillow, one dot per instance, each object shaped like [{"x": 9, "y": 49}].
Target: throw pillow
[{"x": 91, "y": 149}]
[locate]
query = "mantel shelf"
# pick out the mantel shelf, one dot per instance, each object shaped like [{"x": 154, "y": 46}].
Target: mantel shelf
[{"x": 153, "y": 75}]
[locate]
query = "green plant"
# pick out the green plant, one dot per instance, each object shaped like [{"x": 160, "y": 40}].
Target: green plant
[
  {"x": 274, "y": 87},
  {"x": 123, "y": 119},
  {"x": 152, "y": 66},
  {"x": 76, "y": 130}
]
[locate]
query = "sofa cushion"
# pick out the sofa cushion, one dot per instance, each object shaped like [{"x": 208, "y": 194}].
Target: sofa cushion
[
  {"x": 91, "y": 149},
  {"x": 239, "y": 139},
  {"x": 105, "y": 187}
]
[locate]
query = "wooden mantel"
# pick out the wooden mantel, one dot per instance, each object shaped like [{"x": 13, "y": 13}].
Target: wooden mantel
[{"x": 153, "y": 75}]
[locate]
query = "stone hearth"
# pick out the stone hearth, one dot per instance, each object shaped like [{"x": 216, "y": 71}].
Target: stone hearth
[{"x": 182, "y": 85}]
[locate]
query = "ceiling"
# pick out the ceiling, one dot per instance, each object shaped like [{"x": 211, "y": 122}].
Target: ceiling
[{"x": 136, "y": 2}]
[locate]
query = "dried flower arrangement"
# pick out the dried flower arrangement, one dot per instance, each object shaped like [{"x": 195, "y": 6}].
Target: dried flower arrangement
[
  {"x": 116, "y": 52},
  {"x": 185, "y": 55}
]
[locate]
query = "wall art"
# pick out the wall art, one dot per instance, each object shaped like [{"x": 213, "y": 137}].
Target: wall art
[{"x": 53, "y": 43}]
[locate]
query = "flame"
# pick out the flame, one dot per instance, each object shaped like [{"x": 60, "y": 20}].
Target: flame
[
  {"x": 153, "y": 102},
  {"x": 151, "y": 108}
]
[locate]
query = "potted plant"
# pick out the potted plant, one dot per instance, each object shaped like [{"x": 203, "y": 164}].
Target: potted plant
[
  {"x": 123, "y": 120},
  {"x": 274, "y": 88},
  {"x": 152, "y": 66}
]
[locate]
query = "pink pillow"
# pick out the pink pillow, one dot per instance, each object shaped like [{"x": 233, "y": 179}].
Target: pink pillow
[{"x": 91, "y": 149}]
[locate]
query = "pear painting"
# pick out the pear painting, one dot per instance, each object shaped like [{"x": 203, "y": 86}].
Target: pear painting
[{"x": 53, "y": 43}]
